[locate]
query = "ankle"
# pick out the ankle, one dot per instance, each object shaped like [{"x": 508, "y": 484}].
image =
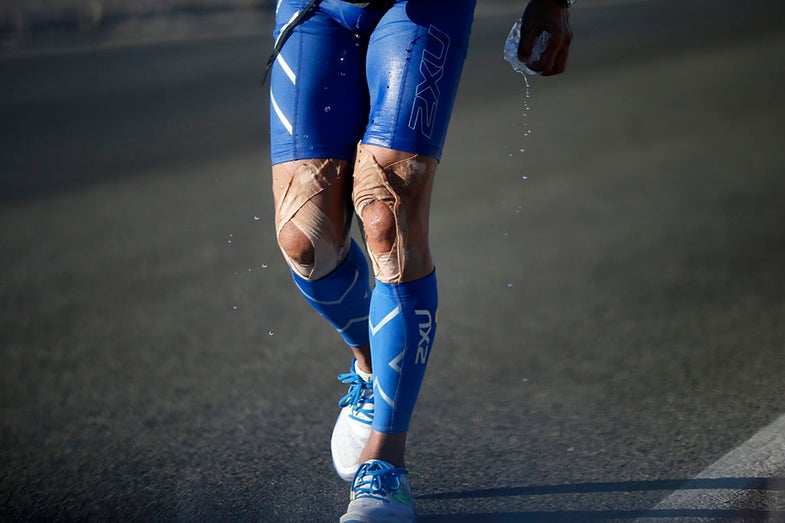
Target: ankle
[
  {"x": 362, "y": 360},
  {"x": 386, "y": 447}
]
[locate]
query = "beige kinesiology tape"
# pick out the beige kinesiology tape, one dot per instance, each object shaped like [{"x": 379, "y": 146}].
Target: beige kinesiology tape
[
  {"x": 397, "y": 185},
  {"x": 296, "y": 205}
]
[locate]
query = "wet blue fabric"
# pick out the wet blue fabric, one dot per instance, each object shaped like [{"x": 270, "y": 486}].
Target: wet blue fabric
[
  {"x": 386, "y": 77},
  {"x": 342, "y": 297},
  {"x": 402, "y": 327}
]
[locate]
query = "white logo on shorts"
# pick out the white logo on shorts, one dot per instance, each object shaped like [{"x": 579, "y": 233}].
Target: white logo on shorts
[{"x": 426, "y": 99}]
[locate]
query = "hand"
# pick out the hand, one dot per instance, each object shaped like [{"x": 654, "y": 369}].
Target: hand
[{"x": 546, "y": 15}]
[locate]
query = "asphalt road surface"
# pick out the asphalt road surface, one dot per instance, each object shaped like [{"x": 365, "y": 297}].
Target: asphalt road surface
[{"x": 612, "y": 320}]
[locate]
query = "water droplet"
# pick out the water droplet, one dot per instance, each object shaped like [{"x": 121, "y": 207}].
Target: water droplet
[
  {"x": 270, "y": 333},
  {"x": 234, "y": 307},
  {"x": 523, "y": 149},
  {"x": 524, "y": 177},
  {"x": 264, "y": 266},
  {"x": 257, "y": 218},
  {"x": 327, "y": 109},
  {"x": 509, "y": 285}
]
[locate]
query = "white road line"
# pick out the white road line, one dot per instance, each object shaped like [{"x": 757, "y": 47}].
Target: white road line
[{"x": 761, "y": 456}]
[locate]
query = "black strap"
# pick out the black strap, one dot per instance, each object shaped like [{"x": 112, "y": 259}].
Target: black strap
[
  {"x": 287, "y": 31},
  {"x": 284, "y": 36}
]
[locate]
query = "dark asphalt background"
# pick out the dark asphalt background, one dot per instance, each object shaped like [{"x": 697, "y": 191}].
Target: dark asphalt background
[{"x": 612, "y": 299}]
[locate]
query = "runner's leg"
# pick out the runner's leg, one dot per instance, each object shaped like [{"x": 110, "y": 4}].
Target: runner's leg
[
  {"x": 415, "y": 57},
  {"x": 318, "y": 101}
]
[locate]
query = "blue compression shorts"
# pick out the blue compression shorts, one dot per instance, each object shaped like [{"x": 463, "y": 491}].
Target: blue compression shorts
[{"x": 384, "y": 77}]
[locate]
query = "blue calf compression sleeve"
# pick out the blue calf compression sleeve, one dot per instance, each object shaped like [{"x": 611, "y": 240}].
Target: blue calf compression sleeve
[
  {"x": 342, "y": 297},
  {"x": 402, "y": 327}
]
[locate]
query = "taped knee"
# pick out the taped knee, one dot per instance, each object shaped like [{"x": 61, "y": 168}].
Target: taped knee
[
  {"x": 380, "y": 195},
  {"x": 296, "y": 246},
  {"x": 310, "y": 242},
  {"x": 379, "y": 226}
]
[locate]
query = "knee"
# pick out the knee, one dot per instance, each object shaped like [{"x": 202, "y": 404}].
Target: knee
[
  {"x": 312, "y": 257},
  {"x": 392, "y": 202},
  {"x": 312, "y": 221},
  {"x": 296, "y": 246},
  {"x": 380, "y": 227}
]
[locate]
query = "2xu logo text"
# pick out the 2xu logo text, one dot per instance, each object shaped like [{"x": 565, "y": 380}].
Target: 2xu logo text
[
  {"x": 426, "y": 100},
  {"x": 424, "y": 345}
]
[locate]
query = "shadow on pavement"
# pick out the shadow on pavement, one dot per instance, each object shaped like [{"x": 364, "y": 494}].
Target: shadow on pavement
[
  {"x": 735, "y": 484},
  {"x": 621, "y": 486},
  {"x": 608, "y": 515}
]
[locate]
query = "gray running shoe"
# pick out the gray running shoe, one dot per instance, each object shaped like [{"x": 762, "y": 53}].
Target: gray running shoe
[{"x": 380, "y": 494}]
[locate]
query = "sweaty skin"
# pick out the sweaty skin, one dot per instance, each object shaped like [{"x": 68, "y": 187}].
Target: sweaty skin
[{"x": 393, "y": 202}]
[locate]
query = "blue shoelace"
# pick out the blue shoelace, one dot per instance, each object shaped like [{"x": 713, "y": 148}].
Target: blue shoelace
[
  {"x": 357, "y": 397},
  {"x": 377, "y": 480}
]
